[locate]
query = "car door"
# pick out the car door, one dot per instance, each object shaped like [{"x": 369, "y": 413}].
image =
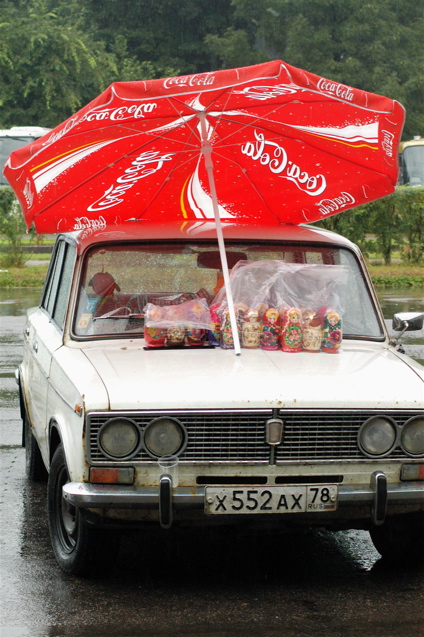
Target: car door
[{"x": 44, "y": 335}]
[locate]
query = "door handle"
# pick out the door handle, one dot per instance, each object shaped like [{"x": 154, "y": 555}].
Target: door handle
[{"x": 35, "y": 346}]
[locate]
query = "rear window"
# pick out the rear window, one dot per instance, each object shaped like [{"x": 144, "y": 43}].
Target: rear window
[{"x": 119, "y": 281}]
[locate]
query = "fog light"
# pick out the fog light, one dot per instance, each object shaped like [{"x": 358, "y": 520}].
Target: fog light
[
  {"x": 412, "y": 472},
  {"x": 107, "y": 475},
  {"x": 412, "y": 437},
  {"x": 119, "y": 438},
  {"x": 164, "y": 437},
  {"x": 377, "y": 436}
]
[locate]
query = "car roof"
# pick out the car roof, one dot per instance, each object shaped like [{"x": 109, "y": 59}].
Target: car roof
[{"x": 205, "y": 230}]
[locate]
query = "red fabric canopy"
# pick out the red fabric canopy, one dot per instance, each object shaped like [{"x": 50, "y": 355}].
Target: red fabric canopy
[{"x": 284, "y": 145}]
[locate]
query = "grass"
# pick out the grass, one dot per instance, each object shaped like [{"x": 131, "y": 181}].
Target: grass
[
  {"x": 397, "y": 274},
  {"x": 26, "y": 277}
]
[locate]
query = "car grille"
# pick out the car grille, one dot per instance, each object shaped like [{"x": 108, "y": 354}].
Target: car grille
[{"x": 239, "y": 436}]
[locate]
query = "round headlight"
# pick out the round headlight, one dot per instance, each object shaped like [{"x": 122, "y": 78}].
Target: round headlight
[
  {"x": 164, "y": 437},
  {"x": 119, "y": 438},
  {"x": 412, "y": 437},
  {"x": 377, "y": 435}
]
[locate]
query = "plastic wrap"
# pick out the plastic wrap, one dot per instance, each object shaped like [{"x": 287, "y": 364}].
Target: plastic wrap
[
  {"x": 295, "y": 307},
  {"x": 271, "y": 283},
  {"x": 175, "y": 325}
]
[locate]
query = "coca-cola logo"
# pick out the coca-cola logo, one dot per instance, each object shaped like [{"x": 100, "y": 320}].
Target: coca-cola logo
[
  {"x": 84, "y": 223},
  {"x": 275, "y": 157},
  {"x": 329, "y": 206},
  {"x": 268, "y": 92},
  {"x": 338, "y": 90},
  {"x": 202, "y": 79},
  {"x": 28, "y": 194},
  {"x": 54, "y": 137},
  {"x": 120, "y": 113},
  {"x": 145, "y": 165},
  {"x": 387, "y": 143}
]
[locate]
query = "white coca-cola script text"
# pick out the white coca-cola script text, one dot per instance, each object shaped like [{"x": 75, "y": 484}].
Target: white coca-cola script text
[
  {"x": 329, "y": 206},
  {"x": 82, "y": 223},
  {"x": 133, "y": 111},
  {"x": 146, "y": 164},
  {"x": 339, "y": 90},
  {"x": 202, "y": 79},
  {"x": 275, "y": 157}
]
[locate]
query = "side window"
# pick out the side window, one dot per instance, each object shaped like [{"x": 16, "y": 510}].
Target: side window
[
  {"x": 59, "y": 282},
  {"x": 62, "y": 296},
  {"x": 53, "y": 278}
]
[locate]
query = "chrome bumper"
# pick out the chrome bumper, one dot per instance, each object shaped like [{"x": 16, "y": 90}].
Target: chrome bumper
[{"x": 99, "y": 496}]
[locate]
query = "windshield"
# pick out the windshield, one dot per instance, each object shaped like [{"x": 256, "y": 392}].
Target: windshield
[
  {"x": 412, "y": 165},
  {"x": 7, "y": 146},
  {"x": 119, "y": 283}
]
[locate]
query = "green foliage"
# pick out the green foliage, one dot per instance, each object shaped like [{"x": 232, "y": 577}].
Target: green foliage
[
  {"x": 395, "y": 222},
  {"x": 57, "y": 55},
  {"x": 410, "y": 202},
  {"x": 12, "y": 227},
  {"x": 376, "y": 46},
  {"x": 401, "y": 281},
  {"x": 48, "y": 68}
]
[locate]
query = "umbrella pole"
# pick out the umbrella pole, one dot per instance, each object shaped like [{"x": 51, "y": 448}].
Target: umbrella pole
[{"x": 207, "y": 153}]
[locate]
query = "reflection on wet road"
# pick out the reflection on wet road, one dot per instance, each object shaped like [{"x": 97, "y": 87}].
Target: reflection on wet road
[{"x": 203, "y": 583}]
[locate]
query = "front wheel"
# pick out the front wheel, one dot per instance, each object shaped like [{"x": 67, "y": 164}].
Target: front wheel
[
  {"x": 79, "y": 549},
  {"x": 400, "y": 539}
]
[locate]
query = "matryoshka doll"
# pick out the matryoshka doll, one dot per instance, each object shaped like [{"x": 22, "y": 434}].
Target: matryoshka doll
[
  {"x": 214, "y": 332},
  {"x": 251, "y": 334},
  {"x": 291, "y": 331},
  {"x": 194, "y": 334},
  {"x": 311, "y": 331},
  {"x": 331, "y": 332},
  {"x": 271, "y": 328},
  {"x": 154, "y": 336},
  {"x": 240, "y": 310},
  {"x": 175, "y": 334},
  {"x": 226, "y": 335}
]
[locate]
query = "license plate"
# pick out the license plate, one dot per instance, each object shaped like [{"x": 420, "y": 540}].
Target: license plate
[{"x": 284, "y": 499}]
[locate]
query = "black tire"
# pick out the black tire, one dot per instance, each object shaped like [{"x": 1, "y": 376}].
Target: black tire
[
  {"x": 34, "y": 465},
  {"x": 400, "y": 540},
  {"x": 79, "y": 549}
]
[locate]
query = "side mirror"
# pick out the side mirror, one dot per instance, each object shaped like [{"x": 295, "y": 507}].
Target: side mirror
[{"x": 408, "y": 321}]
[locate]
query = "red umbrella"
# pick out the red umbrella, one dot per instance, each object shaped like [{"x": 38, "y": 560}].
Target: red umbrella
[{"x": 282, "y": 146}]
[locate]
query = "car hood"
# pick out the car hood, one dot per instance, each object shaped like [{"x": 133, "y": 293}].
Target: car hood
[{"x": 365, "y": 376}]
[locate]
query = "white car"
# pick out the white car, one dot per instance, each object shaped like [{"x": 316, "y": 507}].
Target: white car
[{"x": 319, "y": 421}]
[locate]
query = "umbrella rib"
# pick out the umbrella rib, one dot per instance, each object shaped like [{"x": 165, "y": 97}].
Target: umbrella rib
[{"x": 107, "y": 167}]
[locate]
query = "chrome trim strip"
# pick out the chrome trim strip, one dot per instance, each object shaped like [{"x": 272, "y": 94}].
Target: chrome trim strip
[{"x": 102, "y": 496}]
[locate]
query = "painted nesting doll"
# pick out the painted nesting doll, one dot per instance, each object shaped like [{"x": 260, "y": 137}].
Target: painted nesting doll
[
  {"x": 226, "y": 334},
  {"x": 311, "y": 332},
  {"x": 271, "y": 327},
  {"x": 291, "y": 331},
  {"x": 175, "y": 334},
  {"x": 194, "y": 334},
  {"x": 331, "y": 332},
  {"x": 154, "y": 336},
  {"x": 251, "y": 334},
  {"x": 215, "y": 326}
]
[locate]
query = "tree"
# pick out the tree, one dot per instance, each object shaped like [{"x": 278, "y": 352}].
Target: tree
[
  {"x": 12, "y": 226},
  {"x": 48, "y": 68},
  {"x": 376, "y": 46},
  {"x": 168, "y": 34}
]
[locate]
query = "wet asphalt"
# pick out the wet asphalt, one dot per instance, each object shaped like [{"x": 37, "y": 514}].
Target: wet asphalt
[{"x": 215, "y": 584}]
